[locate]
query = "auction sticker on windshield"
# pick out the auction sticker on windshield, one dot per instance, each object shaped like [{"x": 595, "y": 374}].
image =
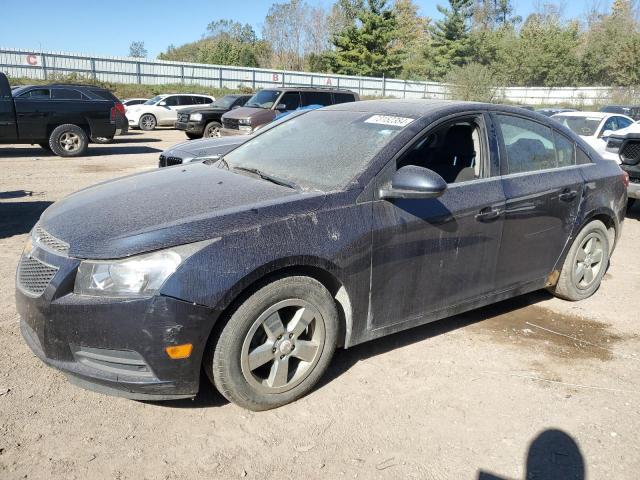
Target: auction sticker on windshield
[{"x": 389, "y": 120}]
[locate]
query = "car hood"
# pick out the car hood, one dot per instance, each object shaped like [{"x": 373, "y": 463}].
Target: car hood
[
  {"x": 203, "y": 109},
  {"x": 204, "y": 147},
  {"x": 258, "y": 116},
  {"x": 164, "y": 208}
]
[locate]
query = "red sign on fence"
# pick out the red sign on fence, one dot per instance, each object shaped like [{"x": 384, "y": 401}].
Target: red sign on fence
[{"x": 32, "y": 60}]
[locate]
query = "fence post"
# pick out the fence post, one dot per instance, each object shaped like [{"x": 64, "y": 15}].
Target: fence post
[
  {"x": 138, "y": 73},
  {"x": 384, "y": 86},
  {"x": 253, "y": 80},
  {"x": 220, "y": 79},
  {"x": 93, "y": 68},
  {"x": 338, "y": 82},
  {"x": 359, "y": 86},
  {"x": 182, "y": 74},
  {"x": 404, "y": 90},
  {"x": 283, "y": 84},
  {"x": 44, "y": 65}
]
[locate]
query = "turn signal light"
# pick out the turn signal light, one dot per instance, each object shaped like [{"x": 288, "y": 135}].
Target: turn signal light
[
  {"x": 176, "y": 352},
  {"x": 625, "y": 179}
]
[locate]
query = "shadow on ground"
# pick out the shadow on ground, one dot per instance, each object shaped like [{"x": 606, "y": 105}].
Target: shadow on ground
[
  {"x": 109, "y": 149},
  {"x": 19, "y": 217},
  {"x": 553, "y": 455}
]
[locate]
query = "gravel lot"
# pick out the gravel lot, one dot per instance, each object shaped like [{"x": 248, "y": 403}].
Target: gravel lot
[{"x": 463, "y": 398}]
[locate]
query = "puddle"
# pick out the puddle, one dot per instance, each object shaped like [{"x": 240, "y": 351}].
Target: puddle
[{"x": 564, "y": 336}]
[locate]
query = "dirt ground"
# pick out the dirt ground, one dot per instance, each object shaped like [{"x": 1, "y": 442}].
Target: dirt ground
[{"x": 501, "y": 392}]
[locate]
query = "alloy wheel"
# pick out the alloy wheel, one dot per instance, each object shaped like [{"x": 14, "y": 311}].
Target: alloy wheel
[
  {"x": 589, "y": 261},
  {"x": 69, "y": 142}
]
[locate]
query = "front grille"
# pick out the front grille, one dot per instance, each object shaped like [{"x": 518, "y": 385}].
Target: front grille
[
  {"x": 232, "y": 123},
  {"x": 42, "y": 237},
  {"x": 630, "y": 153},
  {"x": 183, "y": 117},
  {"x": 34, "y": 276},
  {"x": 169, "y": 161}
]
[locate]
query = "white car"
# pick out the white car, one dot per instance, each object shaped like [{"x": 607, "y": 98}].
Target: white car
[
  {"x": 595, "y": 127},
  {"x": 163, "y": 109},
  {"x": 130, "y": 102}
]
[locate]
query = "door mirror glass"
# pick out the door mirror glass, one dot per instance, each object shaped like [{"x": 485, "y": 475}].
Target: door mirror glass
[
  {"x": 162, "y": 104},
  {"x": 415, "y": 182},
  {"x": 235, "y": 106},
  {"x": 281, "y": 106}
]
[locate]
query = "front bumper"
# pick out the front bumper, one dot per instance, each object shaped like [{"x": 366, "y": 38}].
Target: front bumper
[
  {"x": 115, "y": 346},
  {"x": 229, "y": 132},
  {"x": 190, "y": 127}
]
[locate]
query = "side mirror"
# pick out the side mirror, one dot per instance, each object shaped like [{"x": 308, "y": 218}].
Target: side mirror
[
  {"x": 606, "y": 133},
  {"x": 281, "y": 106},
  {"x": 162, "y": 104},
  {"x": 415, "y": 182},
  {"x": 235, "y": 106}
]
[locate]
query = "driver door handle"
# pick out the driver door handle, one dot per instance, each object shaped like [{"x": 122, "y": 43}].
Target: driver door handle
[
  {"x": 568, "y": 195},
  {"x": 489, "y": 214}
]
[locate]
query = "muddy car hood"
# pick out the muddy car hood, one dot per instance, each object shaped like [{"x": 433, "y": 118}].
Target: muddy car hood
[
  {"x": 204, "y": 109},
  {"x": 258, "y": 116},
  {"x": 206, "y": 146},
  {"x": 167, "y": 207}
]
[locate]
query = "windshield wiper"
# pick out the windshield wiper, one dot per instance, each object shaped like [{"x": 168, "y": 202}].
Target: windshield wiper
[{"x": 269, "y": 177}]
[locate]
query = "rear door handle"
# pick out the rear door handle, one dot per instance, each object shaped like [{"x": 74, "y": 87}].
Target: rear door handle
[
  {"x": 489, "y": 214},
  {"x": 568, "y": 195}
]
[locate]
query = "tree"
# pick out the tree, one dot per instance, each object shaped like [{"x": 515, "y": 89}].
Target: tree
[
  {"x": 366, "y": 47},
  {"x": 472, "y": 82},
  {"x": 412, "y": 39},
  {"x": 284, "y": 30},
  {"x": 450, "y": 44},
  {"x": 137, "y": 50}
]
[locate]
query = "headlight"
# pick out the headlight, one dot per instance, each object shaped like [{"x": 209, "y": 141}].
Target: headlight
[
  {"x": 244, "y": 121},
  {"x": 196, "y": 117},
  {"x": 138, "y": 276},
  {"x": 245, "y": 128}
]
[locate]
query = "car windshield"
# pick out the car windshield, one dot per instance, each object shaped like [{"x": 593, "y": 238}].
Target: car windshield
[
  {"x": 263, "y": 99},
  {"x": 224, "y": 102},
  {"x": 154, "y": 100},
  {"x": 585, "y": 126},
  {"x": 319, "y": 150}
]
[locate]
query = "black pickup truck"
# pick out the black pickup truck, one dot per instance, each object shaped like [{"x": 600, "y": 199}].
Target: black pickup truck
[
  {"x": 58, "y": 117},
  {"x": 205, "y": 120}
]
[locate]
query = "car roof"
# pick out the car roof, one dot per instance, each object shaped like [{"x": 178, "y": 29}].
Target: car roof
[
  {"x": 600, "y": 115},
  {"x": 402, "y": 107},
  {"x": 310, "y": 89}
]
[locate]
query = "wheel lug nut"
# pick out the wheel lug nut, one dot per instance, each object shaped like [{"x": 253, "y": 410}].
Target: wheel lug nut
[
  {"x": 279, "y": 337},
  {"x": 281, "y": 357},
  {"x": 291, "y": 335},
  {"x": 273, "y": 350}
]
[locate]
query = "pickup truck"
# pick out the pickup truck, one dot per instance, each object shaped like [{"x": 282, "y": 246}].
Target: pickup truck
[
  {"x": 626, "y": 144},
  {"x": 59, "y": 117}
]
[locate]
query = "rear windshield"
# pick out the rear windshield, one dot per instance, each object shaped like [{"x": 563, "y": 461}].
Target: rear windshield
[
  {"x": 319, "y": 150},
  {"x": 104, "y": 94},
  {"x": 585, "y": 126}
]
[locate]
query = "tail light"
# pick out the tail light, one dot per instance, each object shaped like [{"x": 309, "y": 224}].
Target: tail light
[
  {"x": 119, "y": 107},
  {"x": 625, "y": 179}
]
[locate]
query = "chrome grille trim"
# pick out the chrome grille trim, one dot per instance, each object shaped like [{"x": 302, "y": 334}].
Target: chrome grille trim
[
  {"x": 48, "y": 241},
  {"x": 34, "y": 275}
]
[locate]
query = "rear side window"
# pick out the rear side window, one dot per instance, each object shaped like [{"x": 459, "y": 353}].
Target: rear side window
[
  {"x": 343, "y": 97},
  {"x": 581, "y": 157},
  {"x": 37, "y": 93},
  {"x": 186, "y": 100},
  {"x": 171, "y": 101},
  {"x": 204, "y": 100},
  {"x": 104, "y": 94},
  {"x": 66, "y": 94},
  {"x": 316, "y": 98},
  {"x": 565, "y": 149},
  {"x": 529, "y": 145}
]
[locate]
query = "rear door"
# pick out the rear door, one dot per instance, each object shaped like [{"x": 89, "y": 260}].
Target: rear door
[
  {"x": 315, "y": 99},
  {"x": 8, "y": 130},
  {"x": 543, "y": 187}
]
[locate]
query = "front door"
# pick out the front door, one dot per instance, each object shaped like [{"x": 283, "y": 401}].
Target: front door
[
  {"x": 543, "y": 187},
  {"x": 8, "y": 129},
  {"x": 430, "y": 254}
]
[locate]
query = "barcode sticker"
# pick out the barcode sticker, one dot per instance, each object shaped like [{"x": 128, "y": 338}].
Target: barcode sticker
[{"x": 389, "y": 120}]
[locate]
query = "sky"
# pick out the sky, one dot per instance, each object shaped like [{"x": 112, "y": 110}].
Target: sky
[{"x": 108, "y": 27}]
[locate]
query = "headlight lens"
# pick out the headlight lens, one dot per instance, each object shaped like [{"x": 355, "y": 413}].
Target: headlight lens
[
  {"x": 244, "y": 121},
  {"x": 245, "y": 128},
  {"x": 196, "y": 117},
  {"x": 138, "y": 276}
]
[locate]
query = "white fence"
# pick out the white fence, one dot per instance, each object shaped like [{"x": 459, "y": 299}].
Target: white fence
[{"x": 43, "y": 65}]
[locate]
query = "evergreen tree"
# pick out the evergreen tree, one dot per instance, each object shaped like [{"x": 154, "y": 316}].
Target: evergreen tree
[{"x": 366, "y": 46}]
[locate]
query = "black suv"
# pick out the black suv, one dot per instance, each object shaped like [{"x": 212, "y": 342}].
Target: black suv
[
  {"x": 632, "y": 111},
  {"x": 205, "y": 121},
  {"x": 58, "y": 117},
  {"x": 628, "y": 147}
]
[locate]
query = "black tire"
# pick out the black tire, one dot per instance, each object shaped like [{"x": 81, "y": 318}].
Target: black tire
[
  {"x": 192, "y": 136},
  {"x": 68, "y": 141},
  {"x": 212, "y": 130},
  {"x": 102, "y": 140},
  {"x": 630, "y": 203},
  {"x": 225, "y": 359},
  {"x": 147, "y": 122},
  {"x": 569, "y": 287},
  {"x": 45, "y": 146}
]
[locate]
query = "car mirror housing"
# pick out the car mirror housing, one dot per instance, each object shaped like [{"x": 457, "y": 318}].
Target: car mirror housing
[
  {"x": 281, "y": 106},
  {"x": 162, "y": 104},
  {"x": 607, "y": 133},
  {"x": 414, "y": 182}
]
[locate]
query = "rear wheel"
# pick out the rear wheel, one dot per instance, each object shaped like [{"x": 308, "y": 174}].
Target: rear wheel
[
  {"x": 68, "y": 141},
  {"x": 586, "y": 263},
  {"x": 276, "y": 345},
  {"x": 147, "y": 122},
  {"x": 212, "y": 130}
]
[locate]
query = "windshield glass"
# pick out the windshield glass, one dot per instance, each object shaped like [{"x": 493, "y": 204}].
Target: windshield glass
[
  {"x": 154, "y": 100},
  {"x": 319, "y": 150},
  {"x": 224, "y": 102},
  {"x": 585, "y": 126},
  {"x": 263, "y": 99}
]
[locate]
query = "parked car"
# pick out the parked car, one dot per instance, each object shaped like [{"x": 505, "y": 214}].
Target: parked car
[
  {"x": 632, "y": 111},
  {"x": 58, "y": 117},
  {"x": 548, "y": 112},
  {"x": 267, "y": 104},
  {"x": 205, "y": 121},
  {"x": 326, "y": 230},
  {"x": 162, "y": 110},
  {"x": 130, "y": 102},
  {"x": 626, "y": 145},
  {"x": 594, "y": 127},
  {"x": 199, "y": 149}
]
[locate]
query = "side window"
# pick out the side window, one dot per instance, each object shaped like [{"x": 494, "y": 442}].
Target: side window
[
  {"x": 343, "y": 97},
  {"x": 565, "y": 149},
  {"x": 171, "y": 101},
  {"x": 37, "y": 94},
  {"x": 316, "y": 98},
  {"x": 185, "y": 100},
  {"x": 241, "y": 101},
  {"x": 581, "y": 157},
  {"x": 66, "y": 94},
  {"x": 204, "y": 100},
  {"x": 291, "y": 100},
  {"x": 529, "y": 145},
  {"x": 623, "y": 122},
  {"x": 454, "y": 151}
]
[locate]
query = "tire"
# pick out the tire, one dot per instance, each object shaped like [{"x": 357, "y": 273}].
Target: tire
[
  {"x": 102, "y": 140},
  {"x": 212, "y": 130},
  {"x": 256, "y": 387},
  {"x": 576, "y": 284},
  {"x": 192, "y": 136},
  {"x": 147, "y": 122},
  {"x": 45, "y": 146},
  {"x": 68, "y": 141}
]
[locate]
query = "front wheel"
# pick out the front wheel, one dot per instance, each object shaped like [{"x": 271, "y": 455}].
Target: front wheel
[
  {"x": 276, "y": 345},
  {"x": 147, "y": 122},
  {"x": 68, "y": 141},
  {"x": 212, "y": 130},
  {"x": 586, "y": 263}
]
